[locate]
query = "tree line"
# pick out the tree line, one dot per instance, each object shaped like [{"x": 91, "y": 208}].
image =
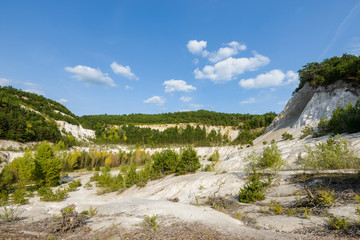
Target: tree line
[{"x": 203, "y": 117}]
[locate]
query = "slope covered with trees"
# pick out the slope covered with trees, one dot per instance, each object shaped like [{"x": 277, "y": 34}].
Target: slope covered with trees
[
  {"x": 29, "y": 117},
  {"x": 330, "y": 70}
]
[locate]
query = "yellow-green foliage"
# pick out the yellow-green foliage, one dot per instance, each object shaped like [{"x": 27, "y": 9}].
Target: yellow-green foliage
[{"x": 334, "y": 153}]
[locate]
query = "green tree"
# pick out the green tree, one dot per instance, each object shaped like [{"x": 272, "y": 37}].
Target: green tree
[{"x": 189, "y": 161}]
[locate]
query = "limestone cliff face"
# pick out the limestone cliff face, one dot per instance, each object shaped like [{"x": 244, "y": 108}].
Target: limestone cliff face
[{"x": 308, "y": 106}]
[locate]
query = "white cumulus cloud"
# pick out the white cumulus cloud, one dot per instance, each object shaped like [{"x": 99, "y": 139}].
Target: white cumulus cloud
[
  {"x": 158, "y": 100},
  {"x": 124, "y": 71},
  {"x": 63, "y": 101},
  {"x": 231, "y": 49},
  {"x": 185, "y": 99},
  {"x": 230, "y": 68},
  {"x": 90, "y": 76},
  {"x": 197, "y": 47},
  {"x": 36, "y": 91},
  {"x": 177, "y": 86},
  {"x": 249, "y": 100},
  {"x": 195, "y": 107},
  {"x": 273, "y": 78}
]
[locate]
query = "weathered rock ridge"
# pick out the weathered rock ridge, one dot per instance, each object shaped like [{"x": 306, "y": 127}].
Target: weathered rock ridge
[{"x": 308, "y": 106}]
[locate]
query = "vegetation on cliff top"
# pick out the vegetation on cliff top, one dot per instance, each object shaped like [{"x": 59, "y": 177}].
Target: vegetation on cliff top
[{"x": 330, "y": 70}]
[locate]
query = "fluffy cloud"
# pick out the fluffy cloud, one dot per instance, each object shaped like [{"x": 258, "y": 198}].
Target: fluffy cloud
[
  {"x": 185, "y": 99},
  {"x": 195, "y": 106},
  {"x": 232, "y": 49},
  {"x": 124, "y": 71},
  {"x": 63, "y": 101},
  {"x": 158, "y": 100},
  {"x": 197, "y": 47},
  {"x": 177, "y": 86},
  {"x": 249, "y": 100},
  {"x": 90, "y": 76},
  {"x": 4, "y": 82},
  {"x": 273, "y": 78},
  {"x": 192, "y": 107},
  {"x": 230, "y": 68},
  {"x": 36, "y": 91}
]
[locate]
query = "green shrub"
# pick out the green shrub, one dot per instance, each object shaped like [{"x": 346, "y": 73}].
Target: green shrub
[
  {"x": 108, "y": 182},
  {"x": 334, "y": 153},
  {"x": 47, "y": 195},
  {"x": 253, "y": 191},
  {"x": 85, "y": 212},
  {"x": 4, "y": 197},
  {"x": 18, "y": 196},
  {"x": 214, "y": 157},
  {"x": 150, "y": 222},
  {"x": 324, "y": 199},
  {"x": 271, "y": 158},
  {"x": 93, "y": 211},
  {"x": 287, "y": 136},
  {"x": 131, "y": 177},
  {"x": 165, "y": 162},
  {"x": 189, "y": 161},
  {"x": 275, "y": 207},
  {"x": 306, "y": 132},
  {"x": 337, "y": 223},
  {"x": 9, "y": 214},
  {"x": 73, "y": 185}
]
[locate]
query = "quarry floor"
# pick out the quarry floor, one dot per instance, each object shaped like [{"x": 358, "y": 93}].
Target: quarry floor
[{"x": 121, "y": 215}]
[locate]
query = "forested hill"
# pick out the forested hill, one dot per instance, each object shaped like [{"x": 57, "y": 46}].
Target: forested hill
[
  {"x": 245, "y": 121},
  {"x": 27, "y": 116}
]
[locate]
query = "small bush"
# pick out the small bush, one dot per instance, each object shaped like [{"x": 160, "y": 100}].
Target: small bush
[
  {"x": 337, "y": 223},
  {"x": 88, "y": 185},
  {"x": 334, "y": 153},
  {"x": 306, "y": 132},
  {"x": 208, "y": 168},
  {"x": 85, "y": 212},
  {"x": 324, "y": 199},
  {"x": 73, "y": 185},
  {"x": 357, "y": 198},
  {"x": 165, "y": 162},
  {"x": 47, "y": 195},
  {"x": 287, "y": 136},
  {"x": 253, "y": 191},
  {"x": 93, "y": 211},
  {"x": 214, "y": 157},
  {"x": 275, "y": 207},
  {"x": 9, "y": 214},
  {"x": 271, "y": 158},
  {"x": 107, "y": 182},
  {"x": 150, "y": 222},
  {"x": 18, "y": 196}
]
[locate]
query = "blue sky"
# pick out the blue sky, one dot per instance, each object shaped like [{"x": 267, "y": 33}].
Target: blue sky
[{"x": 122, "y": 57}]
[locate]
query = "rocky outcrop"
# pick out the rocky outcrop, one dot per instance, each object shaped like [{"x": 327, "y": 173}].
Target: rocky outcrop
[
  {"x": 308, "y": 106},
  {"x": 78, "y": 132}
]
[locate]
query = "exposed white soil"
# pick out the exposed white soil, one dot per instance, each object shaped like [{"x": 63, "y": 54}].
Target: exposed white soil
[
  {"x": 230, "y": 131},
  {"x": 78, "y": 132},
  {"x": 127, "y": 209}
]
